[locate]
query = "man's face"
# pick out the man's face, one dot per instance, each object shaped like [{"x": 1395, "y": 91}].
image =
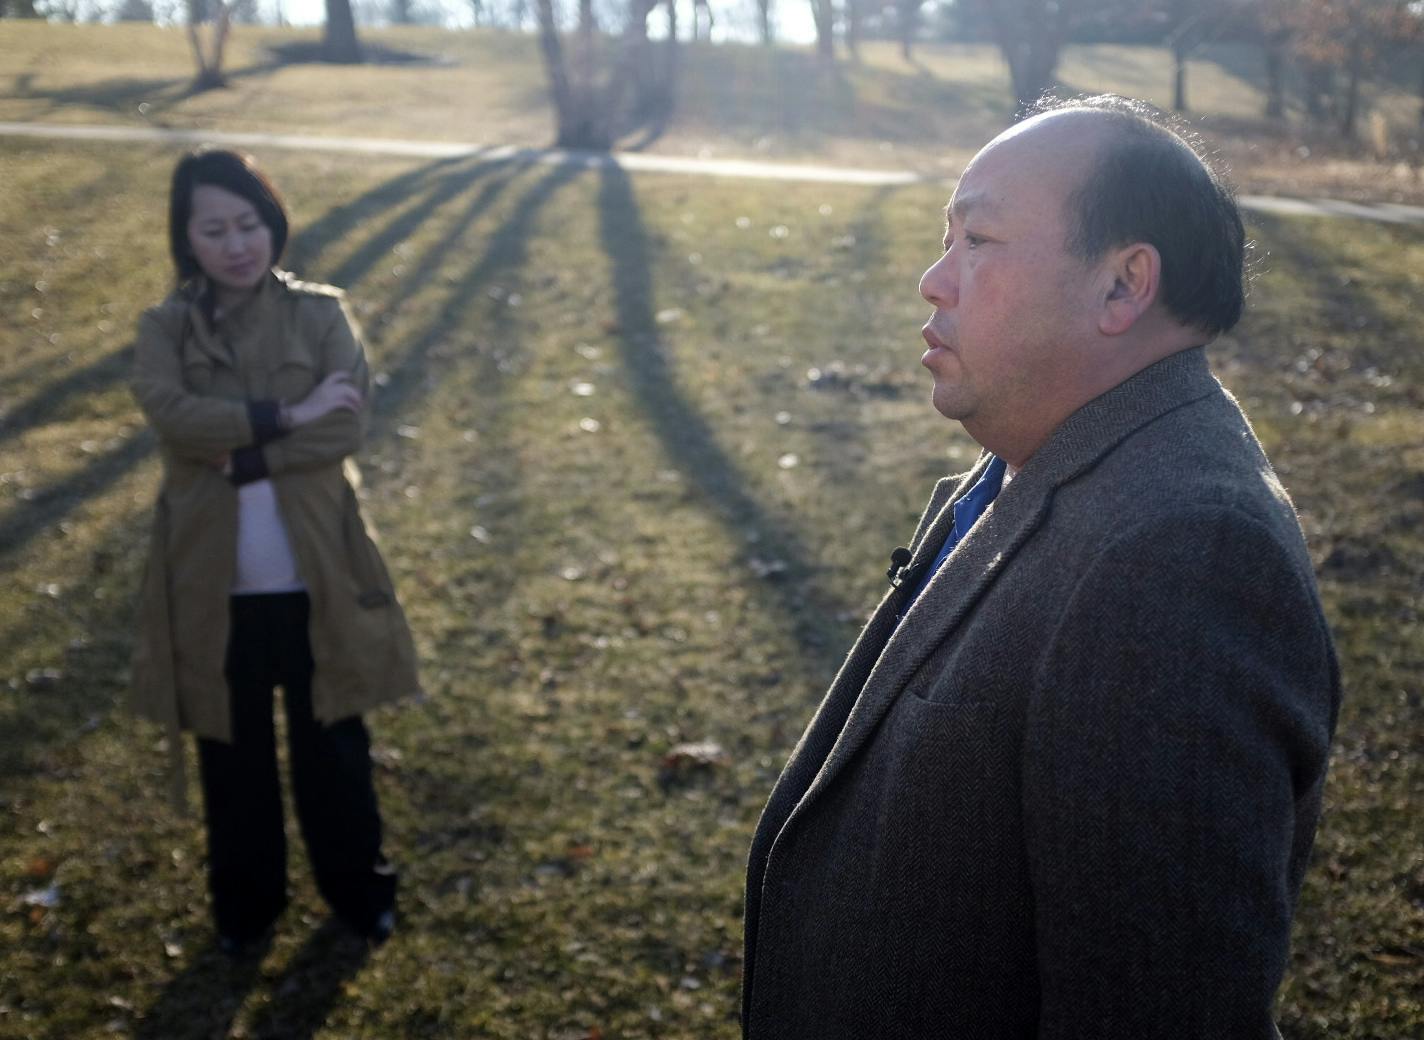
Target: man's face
[{"x": 1009, "y": 302}]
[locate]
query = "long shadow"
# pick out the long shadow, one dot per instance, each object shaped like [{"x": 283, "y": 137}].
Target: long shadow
[
  {"x": 311, "y": 984},
  {"x": 686, "y": 437},
  {"x": 121, "y": 94},
  {"x": 339, "y": 221},
  {"x": 55, "y": 501},
  {"x": 95, "y": 377},
  {"x": 451, "y": 184},
  {"x": 504, "y": 249},
  {"x": 202, "y": 1000}
]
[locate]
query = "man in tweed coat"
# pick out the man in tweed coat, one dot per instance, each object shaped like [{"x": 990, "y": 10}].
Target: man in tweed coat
[{"x": 1066, "y": 783}]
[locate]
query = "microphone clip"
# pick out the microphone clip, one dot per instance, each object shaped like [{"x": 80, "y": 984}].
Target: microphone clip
[{"x": 899, "y": 572}]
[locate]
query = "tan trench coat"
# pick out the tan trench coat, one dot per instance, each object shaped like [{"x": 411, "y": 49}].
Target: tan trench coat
[{"x": 194, "y": 386}]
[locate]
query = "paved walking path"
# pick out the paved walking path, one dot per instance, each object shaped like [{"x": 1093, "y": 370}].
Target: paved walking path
[{"x": 1391, "y": 213}]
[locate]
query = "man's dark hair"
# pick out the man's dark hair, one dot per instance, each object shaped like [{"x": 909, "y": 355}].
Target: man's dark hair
[
  {"x": 1151, "y": 183},
  {"x": 232, "y": 172}
]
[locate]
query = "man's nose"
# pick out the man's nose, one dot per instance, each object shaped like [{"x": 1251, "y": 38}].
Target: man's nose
[{"x": 939, "y": 285}]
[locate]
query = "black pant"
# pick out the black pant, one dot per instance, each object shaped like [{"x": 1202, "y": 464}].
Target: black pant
[{"x": 331, "y": 783}]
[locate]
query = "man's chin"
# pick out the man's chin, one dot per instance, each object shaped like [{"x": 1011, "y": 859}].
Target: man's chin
[{"x": 950, "y": 403}]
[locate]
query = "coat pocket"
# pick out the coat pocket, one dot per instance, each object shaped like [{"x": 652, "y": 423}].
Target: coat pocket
[{"x": 293, "y": 379}]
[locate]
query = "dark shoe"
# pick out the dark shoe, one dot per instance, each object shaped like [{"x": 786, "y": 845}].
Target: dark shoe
[{"x": 237, "y": 949}]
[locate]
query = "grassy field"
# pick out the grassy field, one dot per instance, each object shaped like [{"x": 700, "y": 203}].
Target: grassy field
[
  {"x": 734, "y": 101},
  {"x": 642, "y": 446}
]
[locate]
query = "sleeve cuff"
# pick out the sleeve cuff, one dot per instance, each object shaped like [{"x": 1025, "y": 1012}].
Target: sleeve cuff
[
  {"x": 248, "y": 464},
  {"x": 265, "y": 417}
]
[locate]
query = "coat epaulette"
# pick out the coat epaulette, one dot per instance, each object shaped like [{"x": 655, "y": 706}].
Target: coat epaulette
[{"x": 298, "y": 287}]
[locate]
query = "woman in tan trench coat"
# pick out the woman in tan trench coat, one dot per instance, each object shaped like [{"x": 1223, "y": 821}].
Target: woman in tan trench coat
[{"x": 261, "y": 573}]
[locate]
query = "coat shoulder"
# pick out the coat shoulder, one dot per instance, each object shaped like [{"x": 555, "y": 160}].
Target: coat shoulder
[
  {"x": 169, "y": 312},
  {"x": 314, "y": 293}
]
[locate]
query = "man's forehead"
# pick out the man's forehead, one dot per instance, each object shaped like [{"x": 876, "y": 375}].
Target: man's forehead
[
  {"x": 1042, "y": 159},
  {"x": 961, "y": 203}
]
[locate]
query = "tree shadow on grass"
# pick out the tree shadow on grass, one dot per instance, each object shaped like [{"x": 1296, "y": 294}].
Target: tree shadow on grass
[
  {"x": 43, "y": 407},
  {"x": 504, "y": 250},
  {"x": 55, "y": 501},
  {"x": 689, "y": 439},
  {"x": 308, "y": 242},
  {"x": 203, "y": 999},
  {"x": 125, "y": 93}
]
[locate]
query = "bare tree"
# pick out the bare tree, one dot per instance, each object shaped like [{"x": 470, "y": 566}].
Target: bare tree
[
  {"x": 764, "y": 18},
  {"x": 1276, "y": 26},
  {"x": 613, "y": 79},
  {"x": 907, "y": 25},
  {"x": 852, "y": 28},
  {"x": 134, "y": 11},
  {"x": 339, "y": 43},
  {"x": 700, "y": 9},
  {"x": 823, "y": 12},
  {"x": 1030, "y": 34},
  {"x": 1344, "y": 37},
  {"x": 209, "y": 58}
]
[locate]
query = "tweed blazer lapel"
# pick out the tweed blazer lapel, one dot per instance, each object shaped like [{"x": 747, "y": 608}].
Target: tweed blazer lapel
[{"x": 1075, "y": 446}]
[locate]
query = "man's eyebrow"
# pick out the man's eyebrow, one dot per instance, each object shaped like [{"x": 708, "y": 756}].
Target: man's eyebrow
[{"x": 961, "y": 205}]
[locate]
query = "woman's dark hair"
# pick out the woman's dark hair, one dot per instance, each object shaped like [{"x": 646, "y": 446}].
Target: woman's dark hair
[
  {"x": 231, "y": 172},
  {"x": 1152, "y": 183}
]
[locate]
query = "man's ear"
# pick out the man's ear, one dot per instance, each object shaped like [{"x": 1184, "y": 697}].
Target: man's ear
[{"x": 1132, "y": 276}]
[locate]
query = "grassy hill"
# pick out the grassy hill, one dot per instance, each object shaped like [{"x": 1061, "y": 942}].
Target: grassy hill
[
  {"x": 734, "y": 100},
  {"x": 642, "y": 444}
]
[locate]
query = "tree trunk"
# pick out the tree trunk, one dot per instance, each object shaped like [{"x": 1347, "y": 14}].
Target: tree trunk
[
  {"x": 1319, "y": 89},
  {"x": 1179, "y": 76},
  {"x": 339, "y": 43},
  {"x": 1275, "y": 79},
  {"x": 852, "y": 28},
  {"x": 1352, "y": 89},
  {"x": 570, "y": 129},
  {"x": 764, "y": 14},
  {"x": 824, "y": 13},
  {"x": 210, "y": 65},
  {"x": 1421, "y": 96},
  {"x": 1029, "y": 34},
  {"x": 907, "y": 22}
]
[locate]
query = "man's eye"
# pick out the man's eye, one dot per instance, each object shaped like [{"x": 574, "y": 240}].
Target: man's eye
[{"x": 972, "y": 241}]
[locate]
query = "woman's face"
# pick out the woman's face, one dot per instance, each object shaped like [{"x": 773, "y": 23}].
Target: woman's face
[{"x": 229, "y": 240}]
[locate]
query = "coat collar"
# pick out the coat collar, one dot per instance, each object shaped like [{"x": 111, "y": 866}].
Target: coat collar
[
  {"x": 216, "y": 343},
  {"x": 1082, "y": 439}
]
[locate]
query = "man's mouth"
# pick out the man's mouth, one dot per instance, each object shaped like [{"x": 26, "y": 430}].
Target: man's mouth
[{"x": 932, "y": 338}]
